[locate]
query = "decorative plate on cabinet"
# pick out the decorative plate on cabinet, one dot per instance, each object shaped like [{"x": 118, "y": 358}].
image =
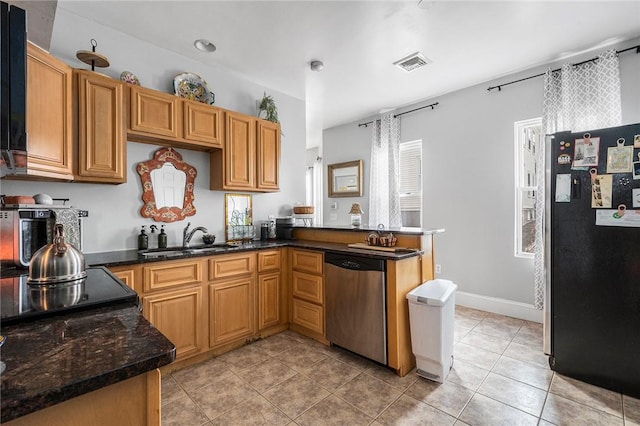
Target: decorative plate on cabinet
[
  {"x": 129, "y": 77},
  {"x": 192, "y": 86}
]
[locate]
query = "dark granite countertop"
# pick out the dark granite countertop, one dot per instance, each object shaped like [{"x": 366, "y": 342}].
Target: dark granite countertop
[
  {"x": 132, "y": 257},
  {"x": 54, "y": 359}
]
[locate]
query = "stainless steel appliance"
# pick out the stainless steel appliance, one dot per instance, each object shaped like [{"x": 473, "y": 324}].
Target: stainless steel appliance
[
  {"x": 592, "y": 313},
  {"x": 356, "y": 304},
  {"x": 21, "y": 301},
  {"x": 25, "y": 229},
  {"x": 13, "y": 90}
]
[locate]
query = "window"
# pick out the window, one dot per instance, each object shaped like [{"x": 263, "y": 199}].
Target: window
[
  {"x": 411, "y": 183},
  {"x": 528, "y": 137}
]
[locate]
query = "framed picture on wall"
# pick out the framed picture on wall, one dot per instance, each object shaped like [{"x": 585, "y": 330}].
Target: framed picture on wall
[{"x": 345, "y": 179}]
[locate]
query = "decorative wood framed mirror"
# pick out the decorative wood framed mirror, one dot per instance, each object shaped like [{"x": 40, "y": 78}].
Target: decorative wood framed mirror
[
  {"x": 345, "y": 179},
  {"x": 238, "y": 217},
  {"x": 167, "y": 186}
]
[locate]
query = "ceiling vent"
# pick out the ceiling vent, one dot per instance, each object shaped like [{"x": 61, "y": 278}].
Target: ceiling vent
[{"x": 412, "y": 62}]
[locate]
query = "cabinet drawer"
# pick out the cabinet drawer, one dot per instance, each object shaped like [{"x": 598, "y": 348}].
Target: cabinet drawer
[
  {"x": 308, "y": 287},
  {"x": 308, "y": 315},
  {"x": 307, "y": 261},
  {"x": 269, "y": 260},
  {"x": 171, "y": 274},
  {"x": 233, "y": 265}
]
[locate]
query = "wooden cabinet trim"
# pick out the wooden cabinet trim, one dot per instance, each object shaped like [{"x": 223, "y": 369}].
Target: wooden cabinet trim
[
  {"x": 308, "y": 261},
  {"x": 153, "y": 113},
  {"x": 163, "y": 275},
  {"x": 232, "y": 265},
  {"x": 231, "y": 310},
  {"x": 268, "y": 156},
  {"x": 49, "y": 115},
  {"x": 308, "y": 315},
  {"x": 308, "y": 287},
  {"x": 102, "y": 151},
  {"x": 269, "y": 296},
  {"x": 179, "y": 315},
  {"x": 202, "y": 123},
  {"x": 269, "y": 260}
]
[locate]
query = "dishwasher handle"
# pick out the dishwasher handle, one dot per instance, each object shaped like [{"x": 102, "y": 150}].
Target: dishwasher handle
[{"x": 354, "y": 263}]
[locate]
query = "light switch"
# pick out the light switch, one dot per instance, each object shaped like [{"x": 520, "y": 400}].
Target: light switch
[{"x": 333, "y": 205}]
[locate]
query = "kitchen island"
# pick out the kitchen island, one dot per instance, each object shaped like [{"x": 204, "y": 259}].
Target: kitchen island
[{"x": 96, "y": 366}]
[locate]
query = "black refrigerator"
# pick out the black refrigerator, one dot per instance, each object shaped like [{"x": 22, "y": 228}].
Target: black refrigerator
[{"x": 593, "y": 256}]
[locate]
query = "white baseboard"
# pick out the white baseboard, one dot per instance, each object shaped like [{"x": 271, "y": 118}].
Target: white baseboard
[{"x": 506, "y": 307}]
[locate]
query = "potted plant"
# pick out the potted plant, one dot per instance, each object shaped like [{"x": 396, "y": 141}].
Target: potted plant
[{"x": 268, "y": 109}]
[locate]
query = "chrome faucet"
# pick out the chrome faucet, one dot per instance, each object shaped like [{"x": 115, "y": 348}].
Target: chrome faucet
[{"x": 187, "y": 235}]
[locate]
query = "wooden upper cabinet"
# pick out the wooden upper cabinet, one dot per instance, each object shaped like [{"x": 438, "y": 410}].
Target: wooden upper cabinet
[
  {"x": 202, "y": 123},
  {"x": 240, "y": 151},
  {"x": 49, "y": 115},
  {"x": 268, "y": 160},
  {"x": 102, "y": 150},
  {"x": 153, "y": 114},
  {"x": 250, "y": 160}
]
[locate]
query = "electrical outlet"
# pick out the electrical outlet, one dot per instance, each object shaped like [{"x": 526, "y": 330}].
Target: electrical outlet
[
  {"x": 333, "y": 216},
  {"x": 438, "y": 268}
]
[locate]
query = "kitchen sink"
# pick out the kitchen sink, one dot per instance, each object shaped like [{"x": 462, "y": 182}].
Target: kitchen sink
[{"x": 178, "y": 251}]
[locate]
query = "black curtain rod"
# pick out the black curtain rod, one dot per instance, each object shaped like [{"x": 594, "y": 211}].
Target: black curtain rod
[
  {"x": 402, "y": 113},
  {"x": 499, "y": 87}
]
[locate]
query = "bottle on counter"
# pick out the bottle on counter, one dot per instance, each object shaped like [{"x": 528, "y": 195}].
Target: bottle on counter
[
  {"x": 143, "y": 239},
  {"x": 162, "y": 238},
  {"x": 153, "y": 238}
]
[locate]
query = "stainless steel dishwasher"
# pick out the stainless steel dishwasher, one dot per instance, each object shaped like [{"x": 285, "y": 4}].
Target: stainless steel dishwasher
[{"x": 356, "y": 304}]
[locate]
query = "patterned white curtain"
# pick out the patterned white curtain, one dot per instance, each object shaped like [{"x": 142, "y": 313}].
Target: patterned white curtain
[
  {"x": 576, "y": 98},
  {"x": 384, "y": 195}
]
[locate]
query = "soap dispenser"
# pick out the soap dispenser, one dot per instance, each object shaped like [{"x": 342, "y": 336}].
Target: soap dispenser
[
  {"x": 143, "y": 239},
  {"x": 153, "y": 238},
  {"x": 162, "y": 238}
]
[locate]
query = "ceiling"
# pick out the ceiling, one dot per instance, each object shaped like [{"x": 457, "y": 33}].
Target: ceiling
[{"x": 273, "y": 42}]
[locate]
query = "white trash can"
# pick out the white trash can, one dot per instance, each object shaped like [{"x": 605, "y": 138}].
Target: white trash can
[{"x": 431, "y": 317}]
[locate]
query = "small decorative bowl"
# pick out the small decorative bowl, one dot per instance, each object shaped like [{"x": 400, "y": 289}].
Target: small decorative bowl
[
  {"x": 209, "y": 238},
  {"x": 303, "y": 209}
]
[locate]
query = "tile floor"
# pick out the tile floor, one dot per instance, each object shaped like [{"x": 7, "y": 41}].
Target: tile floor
[{"x": 500, "y": 377}]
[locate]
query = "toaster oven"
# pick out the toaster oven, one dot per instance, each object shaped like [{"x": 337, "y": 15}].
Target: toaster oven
[{"x": 23, "y": 231}]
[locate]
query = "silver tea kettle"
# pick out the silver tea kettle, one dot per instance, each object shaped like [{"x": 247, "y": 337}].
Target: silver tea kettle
[{"x": 57, "y": 262}]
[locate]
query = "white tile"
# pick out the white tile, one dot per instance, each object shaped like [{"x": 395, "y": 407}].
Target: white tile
[
  {"x": 516, "y": 394},
  {"x": 587, "y": 394},
  {"x": 562, "y": 411},
  {"x": 482, "y": 410},
  {"x": 524, "y": 372}
]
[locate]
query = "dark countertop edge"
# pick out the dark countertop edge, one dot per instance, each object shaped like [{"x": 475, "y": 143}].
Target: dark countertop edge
[
  {"x": 56, "y": 396},
  {"x": 12, "y": 408},
  {"x": 132, "y": 257}
]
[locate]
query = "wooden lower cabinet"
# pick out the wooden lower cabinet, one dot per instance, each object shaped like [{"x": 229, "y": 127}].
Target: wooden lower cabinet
[
  {"x": 307, "y": 291},
  {"x": 179, "y": 315},
  {"x": 269, "y": 296},
  {"x": 308, "y": 315},
  {"x": 231, "y": 310},
  {"x": 135, "y": 401}
]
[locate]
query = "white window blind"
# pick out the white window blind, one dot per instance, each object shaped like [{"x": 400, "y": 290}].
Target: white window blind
[
  {"x": 528, "y": 137},
  {"x": 411, "y": 176}
]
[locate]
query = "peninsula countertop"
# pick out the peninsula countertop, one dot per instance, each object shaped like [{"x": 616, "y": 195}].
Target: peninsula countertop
[{"x": 54, "y": 359}]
